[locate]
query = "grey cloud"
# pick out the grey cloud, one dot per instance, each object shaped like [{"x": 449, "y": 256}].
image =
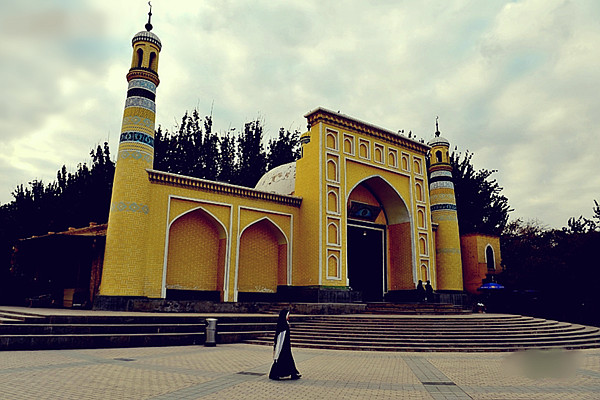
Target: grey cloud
[{"x": 512, "y": 82}]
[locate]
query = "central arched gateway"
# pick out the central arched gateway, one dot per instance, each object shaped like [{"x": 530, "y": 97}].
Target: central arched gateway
[{"x": 379, "y": 240}]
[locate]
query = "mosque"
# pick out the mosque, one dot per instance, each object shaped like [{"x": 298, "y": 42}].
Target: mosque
[{"x": 363, "y": 215}]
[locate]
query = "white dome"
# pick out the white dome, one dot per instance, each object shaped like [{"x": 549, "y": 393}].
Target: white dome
[
  {"x": 147, "y": 36},
  {"x": 280, "y": 180},
  {"x": 439, "y": 141}
]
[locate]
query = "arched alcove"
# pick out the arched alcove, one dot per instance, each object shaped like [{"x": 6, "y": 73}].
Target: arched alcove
[
  {"x": 140, "y": 57},
  {"x": 490, "y": 260},
  {"x": 379, "y": 249},
  {"x": 332, "y": 174},
  {"x": 332, "y": 202},
  {"x": 152, "y": 61},
  {"x": 263, "y": 261},
  {"x": 196, "y": 252}
]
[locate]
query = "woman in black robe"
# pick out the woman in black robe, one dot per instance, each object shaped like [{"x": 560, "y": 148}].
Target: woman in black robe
[{"x": 283, "y": 362}]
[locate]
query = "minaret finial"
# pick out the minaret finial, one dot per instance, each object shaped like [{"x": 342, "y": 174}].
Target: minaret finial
[
  {"x": 437, "y": 129},
  {"x": 149, "y": 25}
]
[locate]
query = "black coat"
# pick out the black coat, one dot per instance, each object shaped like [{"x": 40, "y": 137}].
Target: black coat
[{"x": 283, "y": 363}]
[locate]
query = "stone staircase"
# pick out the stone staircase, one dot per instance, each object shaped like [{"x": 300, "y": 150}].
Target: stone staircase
[
  {"x": 30, "y": 331},
  {"x": 415, "y": 309},
  {"x": 385, "y": 308},
  {"x": 466, "y": 333}
]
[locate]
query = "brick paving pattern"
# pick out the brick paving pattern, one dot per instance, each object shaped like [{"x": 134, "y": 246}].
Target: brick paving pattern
[{"x": 239, "y": 371}]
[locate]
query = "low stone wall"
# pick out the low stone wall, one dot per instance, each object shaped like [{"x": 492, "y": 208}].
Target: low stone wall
[{"x": 193, "y": 306}]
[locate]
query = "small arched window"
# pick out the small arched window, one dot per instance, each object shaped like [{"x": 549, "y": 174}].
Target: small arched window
[
  {"x": 140, "y": 55},
  {"x": 332, "y": 171},
  {"x": 489, "y": 258},
  {"x": 152, "y": 61},
  {"x": 438, "y": 156},
  {"x": 419, "y": 191}
]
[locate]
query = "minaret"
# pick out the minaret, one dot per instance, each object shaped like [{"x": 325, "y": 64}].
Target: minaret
[
  {"x": 124, "y": 261},
  {"x": 443, "y": 212}
]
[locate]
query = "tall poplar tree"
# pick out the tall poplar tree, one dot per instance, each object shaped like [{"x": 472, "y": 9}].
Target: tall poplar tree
[
  {"x": 251, "y": 155},
  {"x": 284, "y": 149}
]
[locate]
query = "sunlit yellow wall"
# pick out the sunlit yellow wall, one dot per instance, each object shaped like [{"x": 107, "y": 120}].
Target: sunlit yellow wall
[
  {"x": 341, "y": 154},
  {"x": 308, "y": 178},
  {"x": 192, "y": 241},
  {"x": 193, "y": 253},
  {"x": 259, "y": 260}
]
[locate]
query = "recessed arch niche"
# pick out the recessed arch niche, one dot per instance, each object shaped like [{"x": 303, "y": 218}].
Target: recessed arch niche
[
  {"x": 196, "y": 253},
  {"x": 395, "y": 226},
  {"x": 263, "y": 261}
]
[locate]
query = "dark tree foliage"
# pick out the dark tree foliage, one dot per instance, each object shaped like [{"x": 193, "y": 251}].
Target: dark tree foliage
[
  {"x": 209, "y": 154},
  {"x": 582, "y": 224},
  {"x": 185, "y": 151},
  {"x": 74, "y": 199},
  {"x": 481, "y": 206},
  {"x": 230, "y": 157},
  {"x": 228, "y": 166},
  {"x": 162, "y": 143},
  {"x": 251, "y": 155},
  {"x": 550, "y": 272},
  {"x": 195, "y": 150},
  {"x": 284, "y": 149}
]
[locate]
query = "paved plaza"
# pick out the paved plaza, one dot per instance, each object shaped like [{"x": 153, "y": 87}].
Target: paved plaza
[{"x": 239, "y": 371}]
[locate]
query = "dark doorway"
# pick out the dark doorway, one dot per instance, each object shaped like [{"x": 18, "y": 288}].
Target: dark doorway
[{"x": 365, "y": 261}]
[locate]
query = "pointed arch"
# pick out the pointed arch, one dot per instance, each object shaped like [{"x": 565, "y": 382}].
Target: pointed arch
[
  {"x": 152, "y": 61},
  {"x": 332, "y": 202},
  {"x": 332, "y": 171},
  {"x": 419, "y": 191},
  {"x": 195, "y": 257},
  {"x": 262, "y": 260},
  {"x": 333, "y": 236},
  {"x": 140, "y": 57},
  {"x": 399, "y": 241},
  {"x": 490, "y": 258},
  {"x": 393, "y": 203},
  {"x": 421, "y": 218},
  {"x": 423, "y": 246}
]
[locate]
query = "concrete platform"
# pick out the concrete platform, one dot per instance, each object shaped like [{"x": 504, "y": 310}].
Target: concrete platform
[{"x": 239, "y": 371}]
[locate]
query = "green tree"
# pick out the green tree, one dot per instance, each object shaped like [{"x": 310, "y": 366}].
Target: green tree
[
  {"x": 251, "y": 155},
  {"x": 227, "y": 159},
  {"x": 162, "y": 145},
  {"x": 549, "y": 271},
  {"x": 284, "y": 149},
  {"x": 481, "y": 206},
  {"x": 209, "y": 154},
  {"x": 582, "y": 224}
]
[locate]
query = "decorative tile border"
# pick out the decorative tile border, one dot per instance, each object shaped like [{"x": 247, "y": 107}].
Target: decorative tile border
[{"x": 133, "y": 207}]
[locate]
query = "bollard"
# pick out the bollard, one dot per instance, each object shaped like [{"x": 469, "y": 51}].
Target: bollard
[{"x": 211, "y": 332}]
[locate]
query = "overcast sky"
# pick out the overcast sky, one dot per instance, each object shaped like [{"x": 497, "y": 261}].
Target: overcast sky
[{"x": 514, "y": 82}]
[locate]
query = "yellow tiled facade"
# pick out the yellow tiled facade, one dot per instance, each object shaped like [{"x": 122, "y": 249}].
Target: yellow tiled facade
[{"x": 361, "y": 214}]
